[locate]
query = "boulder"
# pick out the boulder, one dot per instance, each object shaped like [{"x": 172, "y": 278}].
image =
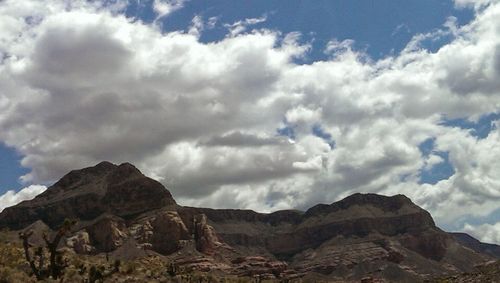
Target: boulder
[
  {"x": 80, "y": 243},
  {"x": 107, "y": 233},
  {"x": 168, "y": 230}
]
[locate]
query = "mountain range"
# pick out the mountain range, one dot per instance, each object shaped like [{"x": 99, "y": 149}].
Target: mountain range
[{"x": 126, "y": 215}]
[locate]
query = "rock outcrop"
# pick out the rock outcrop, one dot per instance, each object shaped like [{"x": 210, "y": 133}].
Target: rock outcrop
[
  {"x": 107, "y": 233},
  {"x": 204, "y": 235},
  {"x": 168, "y": 232},
  {"x": 264, "y": 268},
  {"x": 80, "y": 243}
]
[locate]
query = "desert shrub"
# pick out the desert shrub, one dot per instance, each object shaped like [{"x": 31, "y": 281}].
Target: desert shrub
[
  {"x": 10, "y": 255},
  {"x": 12, "y": 275},
  {"x": 37, "y": 259},
  {"x": 128, "y": 267},
  {"x": 4, "y": 235},
  {"x": 73, "y": 275}
]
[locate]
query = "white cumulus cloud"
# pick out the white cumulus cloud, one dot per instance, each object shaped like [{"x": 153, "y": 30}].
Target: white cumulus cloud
[
  {"x": 11, "y": 198},
  {"x": 487, "y": 233},
  {"x": 83, "y": 84}
]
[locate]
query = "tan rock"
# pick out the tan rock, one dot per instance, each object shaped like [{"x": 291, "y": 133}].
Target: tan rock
[
  {"x": 168, "y": 230},
  {"x": 142, "y": 232},
  {"x": 205, "y": 236},
  {"x": 108, "y": 233}
]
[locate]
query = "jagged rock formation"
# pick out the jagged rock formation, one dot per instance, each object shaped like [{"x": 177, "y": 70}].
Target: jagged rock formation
[
  {"x": 204, "y": 235},
  {"x": 127, "y": 214}
]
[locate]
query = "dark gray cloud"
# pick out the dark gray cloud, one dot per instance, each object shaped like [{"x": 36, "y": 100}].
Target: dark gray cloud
[{"x": 240, "y": 139}]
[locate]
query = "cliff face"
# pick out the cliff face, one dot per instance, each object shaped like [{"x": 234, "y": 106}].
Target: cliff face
[
  {"x": 287, "y": 233},
  {"x": 123, "y": 212}
]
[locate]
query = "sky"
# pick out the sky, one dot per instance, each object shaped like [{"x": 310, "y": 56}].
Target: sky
[{"x": 264, "y": 105}]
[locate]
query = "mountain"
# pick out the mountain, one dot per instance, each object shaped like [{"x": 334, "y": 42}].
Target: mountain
[
  {"x": 474, "y": 244},
  {"x": 88, "y": 193},
  {"x": 127, "y": 215}
]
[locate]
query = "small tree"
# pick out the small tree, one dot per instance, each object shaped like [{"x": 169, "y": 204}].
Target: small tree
[
  {"x": 172, "y": 269},
  {"x": 99, "y": 273},
  {"x": 57, "y": 263}
]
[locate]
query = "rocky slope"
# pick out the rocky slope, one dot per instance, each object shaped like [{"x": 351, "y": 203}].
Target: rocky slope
[
  {"x": 127, "y": 215},
  {"x": 488, "y": 272}
]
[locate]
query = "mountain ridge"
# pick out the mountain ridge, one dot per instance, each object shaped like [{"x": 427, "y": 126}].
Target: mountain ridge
[
  {"x": 123, "y": 212},
  {"x": 476, "y": 245}
]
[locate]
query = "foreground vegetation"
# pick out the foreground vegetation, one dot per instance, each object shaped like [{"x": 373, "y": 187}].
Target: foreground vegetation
[
  {"x": 14, "y": 267},
  {"x": 66, "y": 266}
]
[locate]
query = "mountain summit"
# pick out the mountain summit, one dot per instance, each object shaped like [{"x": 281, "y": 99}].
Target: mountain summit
[
  {"x": 128, "y": 215},
  {"x": 121, "y": 190}
]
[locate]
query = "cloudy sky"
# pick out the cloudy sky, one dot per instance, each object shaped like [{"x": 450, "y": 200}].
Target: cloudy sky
[{"x": 261, "y": 104}]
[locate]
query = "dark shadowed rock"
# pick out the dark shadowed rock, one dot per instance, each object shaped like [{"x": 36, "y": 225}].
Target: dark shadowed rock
[
  {"x": 87, "y": 193},
  {"x": 107, "y": 233}
]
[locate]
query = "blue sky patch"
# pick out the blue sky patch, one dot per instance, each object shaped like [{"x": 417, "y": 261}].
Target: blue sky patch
[
  {"x": 479, "y": 129},
  {"x": 380, "y": 28},
  {"x": 287, "y": 131},
  {"x": 427, "y": 146},
  {"x": 438, "y": 172},
  {"x": 10, "y": 169},
  {"x": 318, "y": 131}
]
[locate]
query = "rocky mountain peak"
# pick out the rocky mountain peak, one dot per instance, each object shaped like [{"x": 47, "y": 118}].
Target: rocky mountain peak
[
  {"x": 125, "y": 171},
  {"x": 384, "y": 203},
  {"x": 77, "y": 178},
  {"x": 390, "y": 202},
  {"x": 103, "y": 165},
  {"x": 370, "y": 205},
  {"x": 86, "y": 193},
  {"x": 73, "y": 176}
]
